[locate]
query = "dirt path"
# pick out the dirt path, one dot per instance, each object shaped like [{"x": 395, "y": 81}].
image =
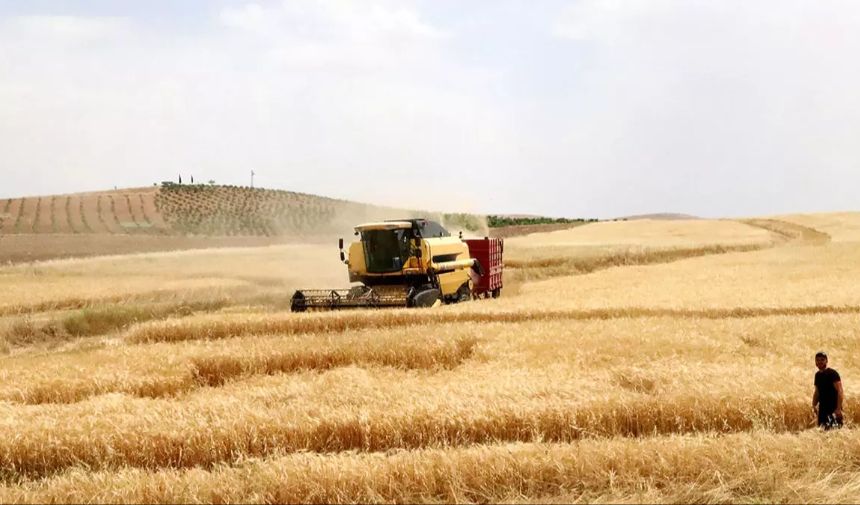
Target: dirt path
[{"x": 790, "y": 232}]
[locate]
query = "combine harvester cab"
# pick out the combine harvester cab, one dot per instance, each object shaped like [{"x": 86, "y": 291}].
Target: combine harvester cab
[{"x": 410, "y": 263}]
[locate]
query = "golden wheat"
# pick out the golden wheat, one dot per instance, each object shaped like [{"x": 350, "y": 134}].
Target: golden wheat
[
  {"x": 661, "y": 362},
  {"x": 221, "y": 327},
  {"x": 812, "y": 467},
  {"x": 167, "y": 435},
  {"x": 405, "y": 353},
  {"x": 168, "y": 370},
  {"x": 523, "y": 384}
]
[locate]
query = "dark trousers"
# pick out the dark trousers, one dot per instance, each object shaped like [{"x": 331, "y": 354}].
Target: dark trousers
[{"x": 828, "y": 420}]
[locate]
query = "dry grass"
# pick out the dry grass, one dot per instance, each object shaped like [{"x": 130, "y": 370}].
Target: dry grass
[{"x": 655, "y": 362}]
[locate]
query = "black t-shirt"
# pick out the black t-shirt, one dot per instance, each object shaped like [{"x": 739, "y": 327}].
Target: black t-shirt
[{"x": 825, "y": 382}]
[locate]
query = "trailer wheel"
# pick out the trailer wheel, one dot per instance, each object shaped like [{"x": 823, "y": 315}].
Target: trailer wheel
[{"x": 496, "y": 292}]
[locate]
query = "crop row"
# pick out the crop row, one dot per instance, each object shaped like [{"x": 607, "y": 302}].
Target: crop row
[
  {"x": 215, "y": 427},
  {"x": 196, "y": 366},
  {"x": 745, "y": 467}
]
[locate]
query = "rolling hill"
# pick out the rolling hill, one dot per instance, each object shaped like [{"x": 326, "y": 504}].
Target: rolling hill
[
  {"x": 198, "y": 210},
  {"x": 173, "y": 216}
]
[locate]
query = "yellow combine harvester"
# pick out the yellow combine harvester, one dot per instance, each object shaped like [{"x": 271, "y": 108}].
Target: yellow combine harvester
[{"x": 410, "y": 263}]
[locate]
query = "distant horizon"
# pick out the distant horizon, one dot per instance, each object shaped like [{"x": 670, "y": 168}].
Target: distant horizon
[{"x": 646, "y": 215}]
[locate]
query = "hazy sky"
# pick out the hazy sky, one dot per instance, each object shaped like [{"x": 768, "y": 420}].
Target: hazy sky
[{"x": 588, "y": 108}]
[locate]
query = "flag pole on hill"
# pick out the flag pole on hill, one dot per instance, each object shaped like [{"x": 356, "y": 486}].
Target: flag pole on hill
[{"x": 252, "y": 178}]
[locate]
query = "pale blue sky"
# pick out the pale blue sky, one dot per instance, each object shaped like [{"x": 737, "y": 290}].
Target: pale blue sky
[{"x": 592, "y": 108}]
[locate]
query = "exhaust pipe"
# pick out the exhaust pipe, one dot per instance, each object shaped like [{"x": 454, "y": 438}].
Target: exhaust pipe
[{"x": 450, "y": 266}]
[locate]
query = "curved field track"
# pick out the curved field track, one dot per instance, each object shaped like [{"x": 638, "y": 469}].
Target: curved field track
[
  {"x": 635, "y": 362},
  {"x": 791, "y": 232},
  {"x": 841, "y": 226}
]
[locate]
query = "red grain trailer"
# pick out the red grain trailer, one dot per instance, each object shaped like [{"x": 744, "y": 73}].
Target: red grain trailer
[{"x": 488, "y": 252}]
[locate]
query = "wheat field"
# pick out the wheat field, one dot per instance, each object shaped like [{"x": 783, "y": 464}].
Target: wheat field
[{"x": 638, "y": 361}]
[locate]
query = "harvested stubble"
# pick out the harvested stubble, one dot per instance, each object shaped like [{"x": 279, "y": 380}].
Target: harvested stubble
[
  {"x": 543, "y": 268},
  {"x": 76, "y": 282},
  {"x": 530, "y": 263},
  {"x": 748, "y": 467},
  {"x": 648, "y": 233},
  {"x": 790, "y": 276}
]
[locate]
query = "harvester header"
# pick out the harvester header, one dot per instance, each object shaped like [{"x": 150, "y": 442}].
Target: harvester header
[{"x": 410, "y": 263}]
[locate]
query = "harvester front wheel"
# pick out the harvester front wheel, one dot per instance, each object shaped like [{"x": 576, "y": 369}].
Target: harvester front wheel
[
  {"x": 297, "y": 302},
  {"x": 425, "y": 297},
  {"x": 464, "y": 293}
]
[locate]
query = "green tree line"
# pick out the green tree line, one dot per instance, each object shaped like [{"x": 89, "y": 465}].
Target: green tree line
[{"x": 499, "y": 221}]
